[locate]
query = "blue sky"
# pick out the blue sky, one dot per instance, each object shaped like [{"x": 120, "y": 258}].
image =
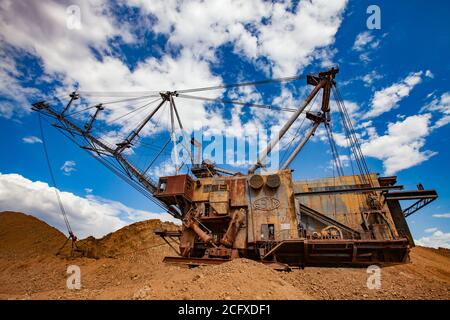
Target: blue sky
[{"x": 394, "y": 81}]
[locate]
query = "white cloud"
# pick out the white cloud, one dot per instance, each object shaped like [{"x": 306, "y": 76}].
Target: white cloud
[
  {"x": 344, "y": 160},
  {"x": 365, "y": 43},
  {"x": 442, "y": 122},
  {"x": 55, "y": 49},
  {"x": 440, "y": 106},
  {"x": 362, "y": 40},
  {"x": 365, "y": 124},
  {"x": 442, "y": 215},
  {"x": 388, "y": 98},
  {"x": 430, "y": 230},
  {"x": 39, "y": 29},
  {"x": 31, "y": 139},
  {"x": 288, "y": 39},
  {"x": 11, "y": 90},
  {"x": 90, "y": 215},
  {"x": 436, "y": 240},
  {"x": 400, "y": 147},
  {"x": 88, "y": 190},
  {"x": 371, "y": 77},
  {"x": 68, "y": 167},
  {"x": 6, "y": 110}
]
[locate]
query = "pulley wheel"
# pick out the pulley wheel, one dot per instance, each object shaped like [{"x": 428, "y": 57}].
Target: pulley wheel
[
  {"x": 273, "y": 181},
  {"x": 256, "y": 181}
]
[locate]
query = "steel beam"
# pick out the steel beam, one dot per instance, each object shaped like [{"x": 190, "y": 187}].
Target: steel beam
[
  {"x": 262, "y": 156},
  {"x": 351, "y": 190}
]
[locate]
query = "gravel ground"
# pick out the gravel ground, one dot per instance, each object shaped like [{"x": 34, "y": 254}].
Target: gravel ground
[{"x": 130, "y": 267}]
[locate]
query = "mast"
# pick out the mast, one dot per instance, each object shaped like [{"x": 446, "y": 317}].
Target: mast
[{"x": 323, "y": 80}]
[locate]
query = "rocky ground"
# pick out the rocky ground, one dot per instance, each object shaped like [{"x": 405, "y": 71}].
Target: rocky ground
[{"x": 128, "y": 265}]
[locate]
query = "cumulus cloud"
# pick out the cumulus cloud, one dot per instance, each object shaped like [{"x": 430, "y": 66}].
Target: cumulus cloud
[
  {"x": 438, "y": 239},
  {"x": 388, "y": 98},
  {"x": 6, "y": 110},
  {"x": 90, "y": 215},
  {"x": 280, "y": 38},
  {"x": 68, "y": 167},
  {"x": 31, "y": 140},
  {"x": 288, "y": 38},
  {"x": 84, "y": 59},
  {"x": 370, "y": 78},
  {"x": 12, "y": 91},
  {"x": 365, "y": 43},
  {"x": 401, "y": 146},
  {"x": 291, "y": 38},
  {"x": 441, "y": 107},
  {"x": 362, "y": 40}
]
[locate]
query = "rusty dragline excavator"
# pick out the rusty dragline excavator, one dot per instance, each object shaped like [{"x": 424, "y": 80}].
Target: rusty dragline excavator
[{"x": 352, "y": 219}]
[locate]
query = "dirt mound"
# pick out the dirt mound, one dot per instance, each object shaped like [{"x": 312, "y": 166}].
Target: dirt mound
[
  {"x": 440, "y": 251},
  {"x": 132, "y": 238},
  {"x": 129, "y": 266},
  {"x": 22, "y": 236},
  {"x": 237, "y": 279},
  {"x": 426, "y": 277}
]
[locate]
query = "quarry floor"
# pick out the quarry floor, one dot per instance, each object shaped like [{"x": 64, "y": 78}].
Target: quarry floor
[{"x": 130, "y": 267}]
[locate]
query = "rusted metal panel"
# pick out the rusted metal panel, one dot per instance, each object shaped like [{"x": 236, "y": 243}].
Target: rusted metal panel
[
  {"x": 400, "y": 221},
  {"x": 340, "y": 252},
  {"x": 238, "y": 192},
  {"x": 241, "y": 238},
  {"x": 218, "y": 196},
  {"x": 347, "y": 208},
  {"x": 273, "y": 207},
  {"x": 202, "y": 189},
  {"x": 220, "y": 208},
  {"x": 219, "y": 201},
  {"x": 176, "y": 185}
]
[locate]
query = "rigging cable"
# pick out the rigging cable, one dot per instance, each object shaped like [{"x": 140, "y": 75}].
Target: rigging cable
[
  {"x": 55, "y": 187},
  {"x": 334, "y": 151},
  {"x": 242, "y": 84},
  {"x": 225, "y": 86},
  {"x": 351, "y": 135},
  {"x": 234, "y": 102},
  {"x": 134, "y": 110}
]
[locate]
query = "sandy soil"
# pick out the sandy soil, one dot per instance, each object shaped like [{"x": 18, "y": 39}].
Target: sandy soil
[{"x": 129, "y": 266}]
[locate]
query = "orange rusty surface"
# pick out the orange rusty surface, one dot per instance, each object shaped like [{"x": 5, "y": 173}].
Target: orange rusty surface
[
  {"x": 345, "y": 208},
  {"x": 238, "y": 192},
  {"x": 178, "y": 185},
  {"x": 273, "y": 207}
]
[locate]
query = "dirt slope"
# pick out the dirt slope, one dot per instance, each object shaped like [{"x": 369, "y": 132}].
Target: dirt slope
[
  {"x": 130, "y": 267},
  {"x": 133, "y": 238},
  {"x": 22, "y": 235}
]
